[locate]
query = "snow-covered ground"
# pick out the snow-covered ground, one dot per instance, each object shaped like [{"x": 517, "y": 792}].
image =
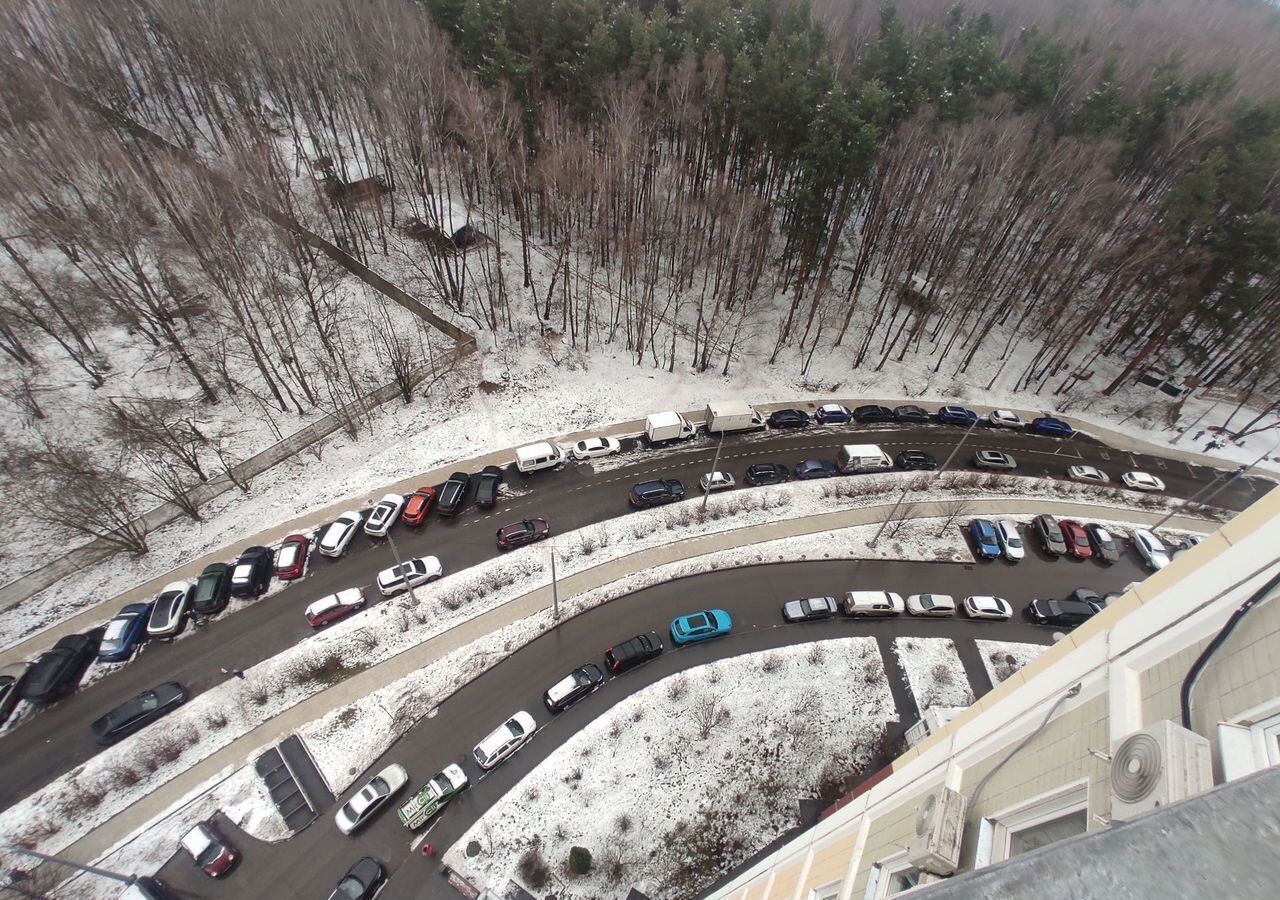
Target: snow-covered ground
[
  {"x": 1003, "y": 658},
  {"x": 688, "y": 777},
  {"x": 934, "y": 672}
]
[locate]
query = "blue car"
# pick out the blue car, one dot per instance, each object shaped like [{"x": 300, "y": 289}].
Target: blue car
[
  {"x": 125, "y": 633},
  {"x": 701, "y": 626},
  {"x": 983, "y": 532},
  {"x": 1048, "y": 425},
  {"x": 816, "y": 468},
  {"x": 957, "y": 415}
]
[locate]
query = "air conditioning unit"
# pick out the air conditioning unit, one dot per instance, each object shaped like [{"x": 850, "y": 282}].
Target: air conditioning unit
[
  {"x": 1161, "y": 764},
  {"x": 935, "y": 844}
]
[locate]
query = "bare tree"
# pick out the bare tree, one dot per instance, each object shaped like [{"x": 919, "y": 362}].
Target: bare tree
[
  {"x": 72, "y": 491},
  {"x": 952, "y": 508}
]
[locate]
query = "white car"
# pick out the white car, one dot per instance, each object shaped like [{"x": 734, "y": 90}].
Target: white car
[
  {"x": 1153, "y": 552},
  {"x": 383, "y": 515},
  {"x": 715, "y": 481},
  {"x": 931, "y": 605},
  {"x": 1087, "y": 473},
  {"x": 371, "y": 798},
  {"x": 590, "y": 448},
  {"x": 1010, "y": 540},
  {"x": 505, "y": 740},
  {"x": 987, "y": 608},
  {"x": 1004, "y": 418},
  {"x": 411, "y": 574},
  {"x": 337, "y": 537},
  {"x": 1142, "y": 481},
  {"x": 169, "y": 613}
]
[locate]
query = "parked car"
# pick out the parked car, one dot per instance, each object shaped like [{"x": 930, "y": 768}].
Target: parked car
[
  {"x": 591, "y": 448},
  {"x": 371, "y": 798},
  {"x": 789, "y": 418},
  {"x": 526, "y": 531},
  {"x": 1062, "y": 613},
  {"x": 834, "y": 414},
  {"x": 125, "y": 633},
  {"x": 1087, "y": 473},
  {"x": 1050, "y": 427},
  {"x": 702, "y": 626},
  {"x": 632, "y": 652},
  {"x": 715, "y": 481},
  {"x": 1077, "y": 540},
  {"x": 212, "y": 590},
  {"x": 447, "y": 784},
  {"x": 987, "y": 608},
  {"x": 384, "y": 515},
  {"x": 487, "y": 485},
  {"x": 1152, "y": 551},
  {"x": 139, "y": 712},
  {"x": 9, "y": 691},
  {"x": 1142, "y": 481},
  {"x": 410, "y": 574},
  {"x": 931, "y": 605},
  {"x": 1085, "y": 595},
  {"x": 957, "y": 415},
  {"x": 504, "y": 740},
  {"x": 169, "y": 611},
  {"x": 871, "y": 414},
  {"x": 291, "y": 560},
  {"x": 57, "y": 671},
  {"x": 916, "y": 461},
  {"x": 337, "y": 537},
  {"x": 213, "y": 853},
  {"x": 767, "y": 473},
  {"x": 361, "y": 881},
  {"x": 1050, "y": 535},
  {"x": 573, "y": 687},
  {"x": 860, "y": 604},
  {"x": 1010, "y": 540},
  {"x": 994, "y": 459},
  {"x": 417, "y": 505},
  {"x": 985, "y": 542},
  {"x": 332, "y": 607},
  {"x": 810, "y": 469},
  {"x": 252, "y": 572},
  {"x": 809, "y": 609},
  {"x": 1105, "y": 547},
  {"x": 648, "y": 494},
  {"x": 1186, "y": 544},
  {"x": 914, "y": 414},
  {"x": 1004, "y": 418},
  {"x": 451, "y": 499}
]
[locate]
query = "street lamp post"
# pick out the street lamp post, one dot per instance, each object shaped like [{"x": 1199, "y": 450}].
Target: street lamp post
[
  {"x": 91, "y": 870},
  {"x": 395, "y": 552},
  {"x": 907, "y": 485},
  {"x": 715, "y": 465},
  {"x": 1238, "y": 473},
  {"x": 555, "y": 590}
]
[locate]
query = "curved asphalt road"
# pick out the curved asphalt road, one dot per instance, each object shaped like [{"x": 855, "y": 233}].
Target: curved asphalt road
[{"x": 57, "y": 739}]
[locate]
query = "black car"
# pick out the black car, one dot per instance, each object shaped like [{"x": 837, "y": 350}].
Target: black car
[
  {"x": 1105, "y": 547},
  {"x": 134, "y": 715},
  {"x": 916, "y": 460},
  {"x": 912, "y": 414},
  {"x": 655, "y": 493},
  {"x": 816, "y": 468},
  {"x": 57, "y": 672},
  {"x": 451, "y": 499},
  {"x": 630, "y": 653},
  {"x": 1050, "y": 535},
  {"x": 573, "y": 687},
  {"x": 767, "y": 473},
  {"x": 8, "y": 695},
  {"x": 147, "y": 888},
  {"x": 252, "y": 572},
  {"x": 1084, "y": 595},
  {"x": 868, "y": 414},
  {"x": 361, "y": 881},
  {"x": 212, "y": 590},
  {"x": 487, "y": 485},
  {"x": 789, "y": 418},
  {"x": 1063, "y": 613}
]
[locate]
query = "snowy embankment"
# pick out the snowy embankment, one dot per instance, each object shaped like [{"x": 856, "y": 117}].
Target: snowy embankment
[
  {"x": 1003, "y": 658},
  {"x": 933, "y": 670},
  {"x": 685, "y": 779}
]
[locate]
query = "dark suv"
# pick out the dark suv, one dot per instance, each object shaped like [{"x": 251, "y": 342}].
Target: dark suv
[
  {"x": 487, "y": 485},
  {"x": 252, "y": 572},
  {"x": 452, "y": 496},
  {"x": 213, "y": 587},
  {"x": 1063, "y": 613},
  {"x": 911, "y": 414},
  {"x": 916, "y": 460},
  {"x": 629, "y": 654},
  {"x": 767, "y": 473},
  {"x": 656, "y": 493},
  {"x": 57, "y": 672},
  {"x": 867, "y": 414},
  {"x": 1050, "y": 534}
]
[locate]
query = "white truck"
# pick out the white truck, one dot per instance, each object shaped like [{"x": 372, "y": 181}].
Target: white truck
[
  {"x": 732, "y": 415},
  {"x": 662, "y": 427}
]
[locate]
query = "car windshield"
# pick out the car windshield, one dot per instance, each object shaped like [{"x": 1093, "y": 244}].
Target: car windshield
[
  {"x": 351, "y": 888},
  {"x": 515, "y": 728}
]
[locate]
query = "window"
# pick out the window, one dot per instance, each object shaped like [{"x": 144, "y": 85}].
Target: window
[
  {"x": 892, "y": 876},
  {"x": 1043, "y": 820},
  {"x": 826, "y": 892},
  {"x": 1251, "y": 741}
]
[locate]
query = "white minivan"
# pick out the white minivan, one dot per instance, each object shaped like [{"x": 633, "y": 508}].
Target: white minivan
[
  {"x": 872, "y": 603},
  {"x": 854, "y": 459},
  {"x": 539, "y": 456}
]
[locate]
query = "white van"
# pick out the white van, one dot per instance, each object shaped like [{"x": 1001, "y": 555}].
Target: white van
[
  {"x": 872, "y": 603},
  {"x": 539, "y": 456},
  {"x": 857, "y": 458}
]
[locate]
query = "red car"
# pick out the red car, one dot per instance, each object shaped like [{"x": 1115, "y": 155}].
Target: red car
[
  {"x": 292, "y": 558},
  {"x": 521, "y": 533},
  {"x": 1077, "y": 539},
  {"x": 335, "y": 606},
  {"x": 418, "y": 505}
]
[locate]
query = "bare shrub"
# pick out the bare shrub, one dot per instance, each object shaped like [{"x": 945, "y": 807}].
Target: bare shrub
[
  {"x": 615, "y": 728},
  {"x": 120, "y": 776},
  {"x": 771, "y": 663},
  {"x": 532, "y": 793},
  {"x": 941, "y": 673},
  {"x": 37, "y": 833},
  {"x": 677, "y": 687},
  {"x": 166, "y": 747},
  {"x": 637, "y": 714},
  {"x": 215, "y": 720},
  {"x": 587, "y": 544},
  {"x": 873, "y": 670},
  {"x": 816, "y": 655},
  {"x": 708, "y": 713},
  {"x": 533, "y": 869},
  {"x": 366, "y": 639},
  {"x": 623, "y": 824},
  {"x": 256, "y": 692},
  {"x": 575, "y": 774},
  {"x": 661, "y": 762}
]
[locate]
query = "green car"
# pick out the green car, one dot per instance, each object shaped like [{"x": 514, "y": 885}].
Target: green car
[{"x": 415, "y": 811}]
